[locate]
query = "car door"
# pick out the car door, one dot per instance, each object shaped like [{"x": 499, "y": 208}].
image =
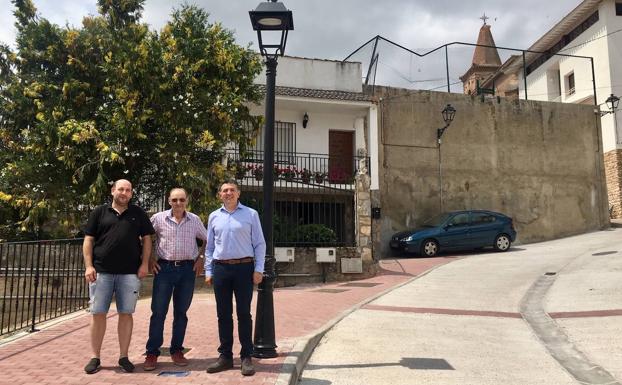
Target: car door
[
  {"x": 455, "y": 232},
  {"x": 484, "y": 229}
]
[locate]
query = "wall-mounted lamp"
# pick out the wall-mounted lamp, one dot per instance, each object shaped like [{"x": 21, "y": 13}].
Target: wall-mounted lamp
[
  {"x": 612, "y": 104},
  {"x": 305, "y": 120}
]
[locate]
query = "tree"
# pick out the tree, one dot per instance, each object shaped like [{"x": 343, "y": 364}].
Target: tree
[{"x": 81, "y": 107}]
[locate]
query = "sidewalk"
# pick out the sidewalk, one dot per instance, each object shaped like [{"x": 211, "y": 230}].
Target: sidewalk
[{"x": 58, "y": 353}]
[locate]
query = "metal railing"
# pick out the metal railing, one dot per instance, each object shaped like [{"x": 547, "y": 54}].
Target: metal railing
[
  {"x": 40, "y": 281},
  {"x": 313, "y": 195}
]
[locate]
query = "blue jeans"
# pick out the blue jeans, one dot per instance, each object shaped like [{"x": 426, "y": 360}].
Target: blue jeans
[
  {"x": 230, "y": 280},
  {"x": 177, "y": 282},
  {"x": 125, "y": 287}
]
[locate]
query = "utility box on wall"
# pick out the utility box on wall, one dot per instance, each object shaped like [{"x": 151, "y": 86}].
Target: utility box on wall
[
  {"x": 284, "y": 254},
  {"x": 351, "y": 265},
  {"x": 326, "y": 255}
]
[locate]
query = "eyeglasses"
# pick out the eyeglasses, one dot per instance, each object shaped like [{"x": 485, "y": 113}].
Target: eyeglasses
[{"x": 180, "y": 200}]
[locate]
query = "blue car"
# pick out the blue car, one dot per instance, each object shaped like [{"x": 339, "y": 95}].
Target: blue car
[{"x": 457, "y": 230}]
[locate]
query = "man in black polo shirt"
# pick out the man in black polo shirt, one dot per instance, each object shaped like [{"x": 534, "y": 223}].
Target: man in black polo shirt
[{"x": 115, "y": 260}]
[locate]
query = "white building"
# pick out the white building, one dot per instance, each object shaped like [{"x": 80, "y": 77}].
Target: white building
[{"x": 591, "y": 30}]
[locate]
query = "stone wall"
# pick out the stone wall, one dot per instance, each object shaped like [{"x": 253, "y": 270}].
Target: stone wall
[
  {"x": 538, "y": 162},
  {"x": 613, "y": 173},
  {"x": 305, "y": 269}
]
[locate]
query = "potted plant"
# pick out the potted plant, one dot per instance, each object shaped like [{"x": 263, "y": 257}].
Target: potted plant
[
  {"x": 289, "y": 173},
  {"x": 240, "y": 170},
  {"x": 305, "y": 175},
  {"x": 257, "y": 171},
  {"x": 319, "y": 177}
]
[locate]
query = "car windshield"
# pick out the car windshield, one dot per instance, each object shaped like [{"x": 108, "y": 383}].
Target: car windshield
[{"x": 436, "y": 221}]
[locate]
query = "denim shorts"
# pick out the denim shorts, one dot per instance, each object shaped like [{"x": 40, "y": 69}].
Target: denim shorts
[{"x": 125, "y": 288}]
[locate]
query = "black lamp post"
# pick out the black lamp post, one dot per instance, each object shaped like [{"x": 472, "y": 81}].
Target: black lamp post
[
  {"x": 269, "y": 18},
  {"x": 448, "y": 116}
]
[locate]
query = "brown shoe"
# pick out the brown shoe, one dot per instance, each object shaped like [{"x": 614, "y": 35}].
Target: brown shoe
[
  {"x": 179, "y": 359},
  {"x": 220, "y": 365},
  {"x": 151, "y": 361},
  {"x": 247, "y": 367}
]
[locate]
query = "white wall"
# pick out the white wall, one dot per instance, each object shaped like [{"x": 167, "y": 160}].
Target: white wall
[
  {"x": 316, "y": 74},
  {"x": 607, "y": 56}
]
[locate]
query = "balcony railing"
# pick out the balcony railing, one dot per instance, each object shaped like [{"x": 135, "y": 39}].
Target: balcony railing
[{"x": 302, "y": 170}]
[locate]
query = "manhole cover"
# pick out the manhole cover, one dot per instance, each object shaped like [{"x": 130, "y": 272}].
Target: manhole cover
[
  {"x": 605, "y": 253},
  {"x": 361, "y": 284},
  {"x": 332, "y": 291}
]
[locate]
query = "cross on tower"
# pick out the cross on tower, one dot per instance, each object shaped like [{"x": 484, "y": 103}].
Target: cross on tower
[{"x": 484, "y": 18}]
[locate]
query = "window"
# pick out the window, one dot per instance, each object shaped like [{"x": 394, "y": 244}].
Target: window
[
  {"x": 618, "y": 9},
  {"x": 459, "y": 220},
  {"x": 284, "y": 142},
  {"x": 570, "y": 84},
  {"x": 481, "y": 218}
]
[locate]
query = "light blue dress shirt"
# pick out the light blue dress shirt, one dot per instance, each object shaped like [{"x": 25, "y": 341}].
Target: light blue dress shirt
[{"x": 233, "y": 235}]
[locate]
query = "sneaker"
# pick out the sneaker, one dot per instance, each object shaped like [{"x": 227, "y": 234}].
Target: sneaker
[
  {"x": 247, "y": 367},
  {"x": 126, "y": 365},
  {"x": 220, "y": 365},
  {"x": 179, "y": 359},
  {"x": 150, "y": 362},
  {"x": 93, "y": 366}
]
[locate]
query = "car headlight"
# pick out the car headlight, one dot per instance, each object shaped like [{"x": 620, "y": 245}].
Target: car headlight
[{"x": 407, "y": 239}]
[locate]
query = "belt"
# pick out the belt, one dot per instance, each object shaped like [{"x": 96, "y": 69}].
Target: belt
[
  {"x": 234, "y": 261},
  {"x": 175, "y": 263}
]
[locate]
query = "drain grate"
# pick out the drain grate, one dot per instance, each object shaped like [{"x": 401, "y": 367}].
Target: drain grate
[
  {"x": 331, "y": 291},
  {"x": 550, "y": 273},
  {"x": 605, "y": 253},
  {"x": 361, "y": 284},
  {"x": 169, "y": 373}
]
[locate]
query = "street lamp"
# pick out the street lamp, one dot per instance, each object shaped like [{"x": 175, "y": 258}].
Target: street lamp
[
  {"x": 612, "y": 103},
  {"x": 448, "y": 116},
  {"x": 268, "y": 19}
]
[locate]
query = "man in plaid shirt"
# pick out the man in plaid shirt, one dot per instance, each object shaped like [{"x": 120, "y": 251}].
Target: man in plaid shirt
[{"x": 179, "y": 261}]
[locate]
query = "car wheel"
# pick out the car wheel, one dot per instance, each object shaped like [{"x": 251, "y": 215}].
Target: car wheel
[
  {"x": 502, "y": 242},
  {"x": 429, "y": 248}
]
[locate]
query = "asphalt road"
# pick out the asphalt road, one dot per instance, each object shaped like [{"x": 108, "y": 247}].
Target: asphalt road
[{"x": 545, "y": 313}]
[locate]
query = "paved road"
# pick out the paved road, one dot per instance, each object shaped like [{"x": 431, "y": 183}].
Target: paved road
[{"x": 547, "y": 313}]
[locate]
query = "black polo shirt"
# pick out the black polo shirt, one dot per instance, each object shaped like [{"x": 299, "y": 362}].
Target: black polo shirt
[{"x": 117, "y": 248}]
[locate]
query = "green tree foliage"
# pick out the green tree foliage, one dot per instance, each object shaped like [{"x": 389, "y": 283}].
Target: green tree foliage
[{"x": 81, "y": 107}]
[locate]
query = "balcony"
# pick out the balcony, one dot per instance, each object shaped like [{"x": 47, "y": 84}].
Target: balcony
[{"x": 298, "y": 170}]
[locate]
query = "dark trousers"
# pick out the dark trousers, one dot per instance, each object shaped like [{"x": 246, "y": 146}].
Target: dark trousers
[
  {"x": 176, "y": 282},
  {"x": 230, "y": 280}
]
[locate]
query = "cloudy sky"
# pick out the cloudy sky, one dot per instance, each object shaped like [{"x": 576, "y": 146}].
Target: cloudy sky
[{"x": 332, "y": 29}]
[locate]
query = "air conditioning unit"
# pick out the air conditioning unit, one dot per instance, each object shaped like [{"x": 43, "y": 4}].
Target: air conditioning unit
[{"x": 284, "y": 254}]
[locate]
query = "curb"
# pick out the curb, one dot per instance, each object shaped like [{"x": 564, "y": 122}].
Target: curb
[{"x": 297, "y": 358}]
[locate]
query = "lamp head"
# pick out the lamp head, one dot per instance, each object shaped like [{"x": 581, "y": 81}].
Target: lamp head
[
  {"x": 305, "y": 120},
  {"x": 448, "y": 114}
]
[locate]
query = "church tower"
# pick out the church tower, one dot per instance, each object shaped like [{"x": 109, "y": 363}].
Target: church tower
[{"x": 485, "y": 62}]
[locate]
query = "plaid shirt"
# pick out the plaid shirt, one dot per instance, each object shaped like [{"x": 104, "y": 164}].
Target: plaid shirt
[{"x": 177, "y": 241}]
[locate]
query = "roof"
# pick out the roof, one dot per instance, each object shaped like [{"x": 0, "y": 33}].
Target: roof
[
  {"x": 486, "y": 55},
  {"x": 565, "y": 25},
  {"x": 319, "y": 94}
]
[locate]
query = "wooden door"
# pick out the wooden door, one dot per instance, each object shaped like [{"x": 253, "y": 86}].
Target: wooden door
[{"x": 340, "y": 156}]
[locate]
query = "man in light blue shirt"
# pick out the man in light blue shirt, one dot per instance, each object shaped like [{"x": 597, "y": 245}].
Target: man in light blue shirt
[{"x": 235, "y": 257}]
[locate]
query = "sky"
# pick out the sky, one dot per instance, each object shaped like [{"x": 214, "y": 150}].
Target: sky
[{"x": 332, "y": 29}]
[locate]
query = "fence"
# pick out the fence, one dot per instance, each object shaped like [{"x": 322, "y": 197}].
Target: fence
[
  {"x": 40, "y": 281},
  {"x": 523, "y": 74}
]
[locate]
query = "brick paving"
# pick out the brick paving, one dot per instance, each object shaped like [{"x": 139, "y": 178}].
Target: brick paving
[{"x": 57, "y": 354}]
